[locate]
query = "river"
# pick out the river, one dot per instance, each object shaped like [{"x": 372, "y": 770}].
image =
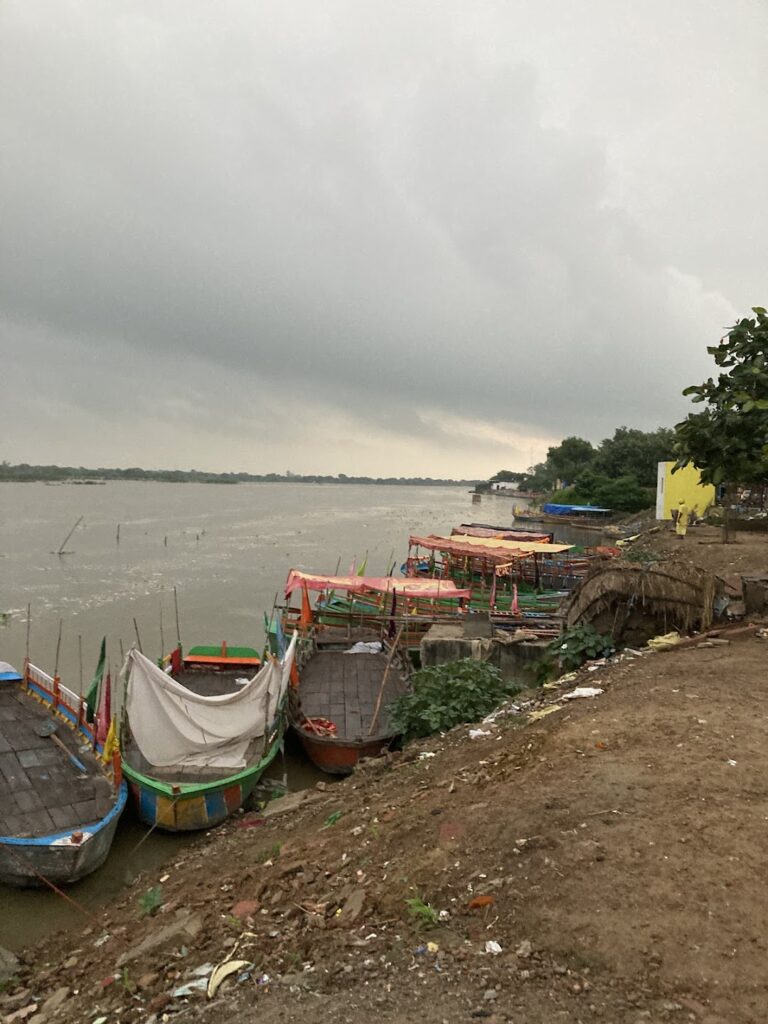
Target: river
[{"x": 226, "y": 548}]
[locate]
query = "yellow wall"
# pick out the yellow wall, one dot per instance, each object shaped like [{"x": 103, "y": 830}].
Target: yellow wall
[{"x": 685, "y": 484}]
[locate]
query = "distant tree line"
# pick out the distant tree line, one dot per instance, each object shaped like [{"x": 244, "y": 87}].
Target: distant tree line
[
  {"x": 25, "y": 473},
  {"x": 619, "y": 473}
]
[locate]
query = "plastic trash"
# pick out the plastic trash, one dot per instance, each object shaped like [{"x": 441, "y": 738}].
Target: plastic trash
[
  {"x": 583, "y": 691},
  {"x": 426, "y": 754},
  {"x": 198, "y": 985},
  {"x": 492, "y": 947},
  {"x": 664, "y": 642},
  {"x": 475, "y": 734},
  {"x": 365, "y": 647}
]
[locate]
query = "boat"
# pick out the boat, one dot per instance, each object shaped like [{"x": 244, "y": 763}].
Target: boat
[
  {"x": 589, "y": 517},
  {"x": 59, "y": 801},
  {"x": 350, "y": 608},
  {"x": 339, "y": 705},
  {"x": 199, "y": 731}
]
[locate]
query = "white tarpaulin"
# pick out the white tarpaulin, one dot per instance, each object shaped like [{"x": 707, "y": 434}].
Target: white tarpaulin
[{"x": 172, "y": 726}]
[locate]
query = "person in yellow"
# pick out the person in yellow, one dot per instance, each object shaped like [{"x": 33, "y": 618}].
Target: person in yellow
[{"x": 683, "y": 518}]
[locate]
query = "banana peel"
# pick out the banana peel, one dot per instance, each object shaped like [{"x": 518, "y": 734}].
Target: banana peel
[{"x": 225, "y": 970}]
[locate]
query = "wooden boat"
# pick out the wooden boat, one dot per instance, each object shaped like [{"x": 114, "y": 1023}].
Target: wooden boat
[
  {"x": 220, "y": 730},
  {"x": 588, "y": 517},
  {"x": 59, "y": 802},
  {"x": 339, "y": 709},
  {"x": 349, "y": 605}
]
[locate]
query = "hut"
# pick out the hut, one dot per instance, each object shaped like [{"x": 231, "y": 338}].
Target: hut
[{"x": 632, "y": 603}]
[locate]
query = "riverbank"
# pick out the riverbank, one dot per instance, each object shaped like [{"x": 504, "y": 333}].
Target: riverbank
[{"x": 600, "y": 862}]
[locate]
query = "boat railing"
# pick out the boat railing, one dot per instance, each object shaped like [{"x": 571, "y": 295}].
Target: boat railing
[{"x": 70, "y": 705}]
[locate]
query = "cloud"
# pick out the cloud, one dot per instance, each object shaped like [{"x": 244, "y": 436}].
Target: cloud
[{"x": 321, "y": 237}]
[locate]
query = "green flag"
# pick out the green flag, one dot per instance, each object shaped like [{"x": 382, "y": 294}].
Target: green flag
[{"x": 91, "y": 698}]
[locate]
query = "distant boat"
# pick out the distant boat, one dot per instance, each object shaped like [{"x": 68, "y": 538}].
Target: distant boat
[
  {"x": 198, "y": 734},
  {"x": 59, "y": 802}
]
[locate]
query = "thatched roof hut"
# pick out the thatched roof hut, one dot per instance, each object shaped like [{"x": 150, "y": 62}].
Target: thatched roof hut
[{"x": 635, "y": 602}]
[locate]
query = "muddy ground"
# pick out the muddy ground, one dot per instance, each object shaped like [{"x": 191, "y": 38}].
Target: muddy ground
[{"x": 611, "y": 852}]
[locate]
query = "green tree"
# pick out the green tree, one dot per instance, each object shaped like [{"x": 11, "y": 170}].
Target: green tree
[
  {"x": 570, "y": 458},
  {"x": 635, "y": 452},
  {"x": 728, "y": 440}
]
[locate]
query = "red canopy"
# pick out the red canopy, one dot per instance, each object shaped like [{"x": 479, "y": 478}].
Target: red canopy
[{"x": 420, "y": 587}]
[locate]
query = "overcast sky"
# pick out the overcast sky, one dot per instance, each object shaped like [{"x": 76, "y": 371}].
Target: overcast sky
[{"x": 424, "y": 238}]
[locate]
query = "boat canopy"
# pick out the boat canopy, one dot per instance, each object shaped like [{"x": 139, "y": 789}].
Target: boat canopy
[
  {"x": 574, "y": 510},
  {"x": 499, "y": 533},
  {"x": 487, "y": 547},
  {"x": 173, "y": 726},
  {"x": 441, "y": 589}
]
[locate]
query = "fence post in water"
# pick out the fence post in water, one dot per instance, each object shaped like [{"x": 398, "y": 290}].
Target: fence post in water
[{"x": 117, "y": 538}]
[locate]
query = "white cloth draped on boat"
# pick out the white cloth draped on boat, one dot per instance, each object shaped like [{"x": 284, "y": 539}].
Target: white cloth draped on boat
[{"x": 171, "y": 725}]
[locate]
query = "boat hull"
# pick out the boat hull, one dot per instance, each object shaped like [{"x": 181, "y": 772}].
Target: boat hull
[
  {"x": 62, "y": 858},
  {"x": 194, "y": 808},
  {"x": 337, "y": 757}
]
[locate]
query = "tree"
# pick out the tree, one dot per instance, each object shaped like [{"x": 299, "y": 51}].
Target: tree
[
  {"x": 635, "y": 452},
  {"x": 571, "y": 457},
  {"x": 728, "y": 441}
]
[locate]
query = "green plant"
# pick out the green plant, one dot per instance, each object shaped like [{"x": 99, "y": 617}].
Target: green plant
[
  {"x": 268, "y": 853},
  {"x": 125, "y": 981},
  {"x": 331, "y": 819},
  {"x": 446, "y": 695},
  {"x": 421, "y": 912},
  {"x": 151, "y": 900},
  {"x": 579, "y": 644}
]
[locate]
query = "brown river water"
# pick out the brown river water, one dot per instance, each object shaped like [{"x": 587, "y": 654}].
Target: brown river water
[{"x": 227, "y": 549}]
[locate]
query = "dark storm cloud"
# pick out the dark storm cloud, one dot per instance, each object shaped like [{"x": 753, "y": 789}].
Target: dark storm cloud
[{"x": 404, "y": 221}]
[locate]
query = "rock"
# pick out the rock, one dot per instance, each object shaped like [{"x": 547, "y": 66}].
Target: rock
[
  {"x": 54, "y": 1002},
  {"x": 289, "y": 803},
  {"x": 159, "y": 1002},
  {"x": 245, "y": 908},
  {"x": 9, "y": 964},
  {"x": 296, "y": 980},
  {"x": 148, "y": 980},
  {"x": 39, "y": 1018},
  {"x": 178, "y": 932},
  {"x": 490, "y": 995},
  {"x": 524, "y": 950},
  {"x": 23, "y": 1014},
  {"x": 353, "y": 907},
  {"x": 70, "y": 963},
  {"x": 13, "y": 1000}
]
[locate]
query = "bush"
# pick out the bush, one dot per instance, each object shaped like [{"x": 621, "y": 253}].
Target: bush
[
  {"x": 579, "y": 644},
  {"x": 447, "y": 695}
]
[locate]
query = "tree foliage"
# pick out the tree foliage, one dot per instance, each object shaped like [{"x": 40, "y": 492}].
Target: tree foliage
[{"x": 728, "y": 440}]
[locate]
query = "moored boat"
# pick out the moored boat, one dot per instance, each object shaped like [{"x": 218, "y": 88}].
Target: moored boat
[
  {"x": 339, "y": 706},
  {"x": 59, "y": 801},
  {"x": 198, "y": 734}
]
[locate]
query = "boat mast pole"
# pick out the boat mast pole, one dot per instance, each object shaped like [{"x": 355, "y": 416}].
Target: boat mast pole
[
  {"x": 29, "y": 624},
  {"x": 58, "y": 648},
  {"x": 176, "y": 609}
]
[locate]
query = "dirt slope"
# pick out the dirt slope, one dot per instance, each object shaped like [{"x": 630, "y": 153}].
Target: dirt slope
[{"x": 618, "y": 851}]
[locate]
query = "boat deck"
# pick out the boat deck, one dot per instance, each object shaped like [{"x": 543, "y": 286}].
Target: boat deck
[
  {"x": 41, "y": 790},
  {"x": 207, "y": 684},
  {"x": 344, "y": 689}
]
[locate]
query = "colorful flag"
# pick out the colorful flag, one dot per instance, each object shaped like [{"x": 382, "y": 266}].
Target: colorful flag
[
  {"x": 104, "y": 714},
  {"x": 111, "y": 744},
  {"x": 91, "y": 698}
]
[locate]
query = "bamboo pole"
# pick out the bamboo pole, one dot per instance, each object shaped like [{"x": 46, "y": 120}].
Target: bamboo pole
[
  {"x": 58, "y": 648},
  {"x": 64, "y": 542},
  {"x": 80, "y": 654},
  {"x": 377, "y": 709},
  {"x": 138, "y": 637},
  {"x": 162, "y": 637},
  {"x": 29, "y": 624},
  {"x": 176, "y": 610},
  {"x": 117, "y": 538}
]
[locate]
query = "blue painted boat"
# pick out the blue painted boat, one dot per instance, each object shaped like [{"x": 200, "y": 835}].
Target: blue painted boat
[{"x": 59, "y": 801}]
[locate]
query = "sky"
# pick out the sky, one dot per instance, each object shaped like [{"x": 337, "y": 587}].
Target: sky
[{"x": 403, "y": 238}]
